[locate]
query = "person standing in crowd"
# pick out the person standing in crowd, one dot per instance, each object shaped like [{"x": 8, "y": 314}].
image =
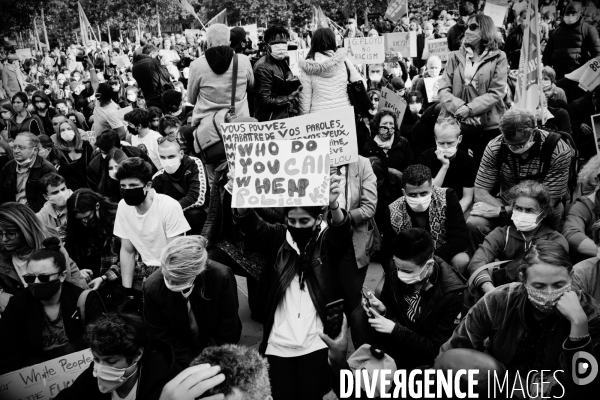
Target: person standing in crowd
[
  {"x": 420, "y": 301},
  {"x": 23, "y": 120},
  {"x": 274, "y": 84},
  {"x": 540, "y": 323},
  {"x": 325, "y": 74},
  {"x": 127, "y": 363},
  {"x": 77, "y": 154},
  {"x": 429, "y": 207},
  {"x": 106, "y": 112},
  {"x": 45, "y": 321},
  {"x": 375, "y": 77},
  {"x": 19, "y": 178},
  {"x": 146, "y": 222},
  {"x": 453, "y": 168},
  {"x": 473, "y": 84},
  {"x": 191, "y": 302},
  {"x": 13, "y": 79},
  {"x": 572, "y": 43},
  {"x": 138, "y": 122},
  {"x": 510, "y": 159},
  {"x": 151, "y": 76},
  {"x": 54, "y": 212}
]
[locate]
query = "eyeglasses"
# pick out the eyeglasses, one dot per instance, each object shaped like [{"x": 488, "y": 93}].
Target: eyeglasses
[
  {"x": 518, "y": 146},
  {"x": 447, "y": 120},
  {"x": 21, "y": 148},
  {"x": 9, "y": 235},
  {"x": 473, "y": 27},
  {"x": 43, "y": 278},
  {"x": 170, "y": 138}
]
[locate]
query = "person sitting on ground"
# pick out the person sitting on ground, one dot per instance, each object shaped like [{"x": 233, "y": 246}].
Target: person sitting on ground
[
  {"x": 182, "y": 177},
  {"x": 191, "y": 302},
  {"x": 585, "y": 273},
  {"x": 45, "y": 322},
  {"x": 138, "y": 122},
  {"x": 54, "y": 212},
  {"x": 434, "y": 70},
  {"x": 106, "y": 112},
  {"x": 532, "y": 221},
  {"x": 453, "y": 168},
  {"x": 155, "y": 115},
  {"x": 77, "y": 154},
  {"x": 127, "y": 364},
  {"x": 421, "y": 298},
  {"x": 540, "y": 323},
  {"x": 435, "y": 209},
  {"x": 109, "y": 185},
  {"x": 174, "y": 105}
]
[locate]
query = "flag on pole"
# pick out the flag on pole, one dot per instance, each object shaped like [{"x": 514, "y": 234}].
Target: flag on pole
[
  {"x": 319, "y": 19},
  {"x": 528, "y": 93},
  {"x": 85, "y": 26},
  {"x": 220, "y": 18},
  {"x": 188, "y": 7}
]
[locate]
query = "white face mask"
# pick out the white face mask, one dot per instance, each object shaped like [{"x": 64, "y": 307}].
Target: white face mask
[
  {"x": 60, "y": 199},
  {"x": 570, "y": 19},
  {"x": 524, "y": 222},
  {"x": 418, "y": 204},
  {"x": 180, "y": 288},
  {"x": 111, "y": 378},
  {"x": 279, "y": 51},
  {"x": 375, "y": 77},
  {"x": 546, "y": 83},
  {"x": 449, "y": 151},
  {"x": 113, "y": 174},
  {"x": 415, "y": 107},
  {"x": 171, "y": 164},
  {"x": 416, "y": 276},
  {"x": 397, "y": 71},
  {"x": 67, "y": 135}
]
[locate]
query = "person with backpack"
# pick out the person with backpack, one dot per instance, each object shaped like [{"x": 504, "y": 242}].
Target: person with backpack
[
  {"x": 520, "y": 153},
  {"x": 48, "y": 320}
]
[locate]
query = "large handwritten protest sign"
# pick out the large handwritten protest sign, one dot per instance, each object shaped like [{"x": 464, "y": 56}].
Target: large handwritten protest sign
[
  {"x": 280, "y": 173},
  {"x": 496, "y": 12},
  {"x": 391, "y": 100},
  {"x": 431, "y": 87},
  {"x": 396, "y": 9},
  {"x": 45, "y": 380},
  {"x": 438, "y": 47},
  {"x": 121, "y": 61},
  {"x": 404, "y": 43},
  {"x": 337, "y": 125},
  {"x": 366, "y": 50}
]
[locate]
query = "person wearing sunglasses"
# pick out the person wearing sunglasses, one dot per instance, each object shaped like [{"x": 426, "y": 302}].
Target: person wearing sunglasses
[
  {"x": 44, "y": 321},
  {"x": 472, "y": 87}
]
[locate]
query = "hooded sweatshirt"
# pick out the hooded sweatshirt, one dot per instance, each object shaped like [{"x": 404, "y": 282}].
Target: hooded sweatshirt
[{"x": 50, "y": 113}]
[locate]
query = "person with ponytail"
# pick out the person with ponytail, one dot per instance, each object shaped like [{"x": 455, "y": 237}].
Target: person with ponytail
[
  {"x": 300, "y": 278},
  {"x": 45, "y": 322}
]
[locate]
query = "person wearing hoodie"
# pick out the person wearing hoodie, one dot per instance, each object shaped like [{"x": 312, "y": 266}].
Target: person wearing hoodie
[
  {"x": 54, "y": 212},
  {"x": 572, "y": 43},
  {"x": 43, "y": 109},
  {"x": 151, "y": 76},
  {"x": 325, "y": 74},
  {"x": 275, "y": 86}
]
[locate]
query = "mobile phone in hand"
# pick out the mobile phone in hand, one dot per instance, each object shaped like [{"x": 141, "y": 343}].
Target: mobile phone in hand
[{"x": 335, "y": 318}]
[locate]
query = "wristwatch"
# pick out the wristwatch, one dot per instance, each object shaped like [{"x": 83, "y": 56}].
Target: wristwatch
[{"x": 503, "y": 213}]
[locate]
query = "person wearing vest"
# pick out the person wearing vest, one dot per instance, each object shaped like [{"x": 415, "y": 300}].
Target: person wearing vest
[{"x": 437, "y": 210}]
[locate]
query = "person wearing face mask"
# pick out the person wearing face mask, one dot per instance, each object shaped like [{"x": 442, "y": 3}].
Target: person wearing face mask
[
  {"x": 532, "y": 220},
  {"x": 551, "y": 91},
  {"x": 431, "y": 208},
  {"x": 6, "y": 113},
  {"x": 191, "y": 302},
  {"x": 106, "y": 112},
  {"x": 415, "y": 305},
  {"x": 128, "y": 364},
  {"x": 452, "y": 167},
  {"x": 572, "y": 43},
  {"x": 539, "y": 323},
  {"x": 131, "y": 98},
  {"x": 182, "y": 177},
  {"x": 292, "y": 254},
  {"x": 351, "y": 30},
  {"x": 109, "y": 186},
  {"x": 513, "y": 157},
  {"x": 54, "y": 212},
  {"x": 276, "y": 89},
  {"x": 44, "y": 321},
  {"x": 142, "y": 136},
  {"x": 77, "y": 154},
  {"x": 375, "y": 79},
  {"x": 472, "y": 86},
  {"x": 434, "y": 69},
  {"x": 43, "y": 109}
]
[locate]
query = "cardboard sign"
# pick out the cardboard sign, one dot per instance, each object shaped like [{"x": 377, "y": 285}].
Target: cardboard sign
[
  {"x": 337, "y": 125},
  {"x": 391, "y": 100},
  {"x": 438, "y": 47},
  {"x": 596, "y": 129},
  {"x": 45, "y": 380},
  {"x": 591, "y": 76},
  {"x": 366, "y": 50},
  {"x": 281, "y": 173},
  {"x": 431, "y": 86},
  {"x": 495, "y": 12},
  {"x": 396, "y": 10},
  {"x": 24, "y": 54},
  {"x": 121, "y": 61},
  {"x": 295, "y": 57},
  {"x": 404, "y": 43}
]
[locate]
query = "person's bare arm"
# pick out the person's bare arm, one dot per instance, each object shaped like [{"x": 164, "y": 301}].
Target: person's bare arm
[
  {"x": 467, "y": 198},
  {"x": 127, "y": 257}
]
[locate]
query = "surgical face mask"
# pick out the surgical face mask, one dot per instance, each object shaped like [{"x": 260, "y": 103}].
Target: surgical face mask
[
  {"x": 375, "y": 77},
  {"x": 112, "y": 174},
  {"x": 131, "y": 96},
  {"x": 523, "y": 149},
  {"x": 171, "y": 164},
  {"x": 546, "y": 84},
  {"x": 418, "y": 204},
  {"x": 546, "y": 301},
  {"x": 179, "y": 288},
  {"x": 67, "y": 135},
  {"x": 279, "y": 51},
  {"x": 524, "y": 222},
  {"x": 417, "y": 276},
  {"x": 415, "y": 108},
  {"x": 472, "y": 39},
  {"x": 448, "y": 151},
  {"x": 570, "y": 19},
  {"x": 111, "y": 378},
  {"x": 59, "y": 199}
]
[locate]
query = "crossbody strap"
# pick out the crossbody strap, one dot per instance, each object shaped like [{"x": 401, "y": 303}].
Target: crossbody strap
[
  {"x": 347, "y": 71},
  {"x": 234, "y": 83}
]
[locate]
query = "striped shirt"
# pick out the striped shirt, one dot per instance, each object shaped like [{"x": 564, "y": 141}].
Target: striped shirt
[
  {"x": 413, "y": 302},
  {"x": 555, "y": 180}
]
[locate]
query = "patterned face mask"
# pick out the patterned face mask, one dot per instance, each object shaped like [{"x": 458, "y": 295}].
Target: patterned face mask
[{"x": 546, "y": 301}]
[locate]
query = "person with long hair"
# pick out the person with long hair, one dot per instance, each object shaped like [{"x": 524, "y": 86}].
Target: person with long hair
[
  {"x": 45, "y": 322},
  {"x": 21, "y": 233},
  {"x": 77, "y": 153},
  {"x": 23, "y": 120},
  {"x": 325, "y": 74},
  {"x": 472, "y": 86},
  {"x": 109, "y": 186}
]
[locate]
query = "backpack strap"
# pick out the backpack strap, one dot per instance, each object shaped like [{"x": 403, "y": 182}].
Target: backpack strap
[
  {"x": 347, "y": 71},
  {"x": 81, "y": 303},
  {"x": 546, "y": 152},
  {"x": 233, "y": 85},
  {"x": 490, "y": 269}
]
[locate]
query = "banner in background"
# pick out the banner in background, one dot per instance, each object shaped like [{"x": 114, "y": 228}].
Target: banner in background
[
  {"x": 396, "y": 9},
  {"x": 391, "y": 100},
  {"x": 366, "y": 50},
  {"x": 192, "y": 32},
  {"x": 438, "y": 47},
  {"x": 404, "y": 43},
  {"x": 495, "y": 12},
  {"x": 44, "y": 381},
  {"x": 281, "y": 173},
  {"x": 24, "y": 54},
  {"x": 121, "y": 61}
]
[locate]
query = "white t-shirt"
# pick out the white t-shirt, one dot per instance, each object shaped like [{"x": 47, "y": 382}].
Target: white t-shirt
[
  {"x": 149, "y": 232},
  {"x": 149, "y": 145},
  {"x": 106, "y": 117},
  {"x": 131, "y": 396}
]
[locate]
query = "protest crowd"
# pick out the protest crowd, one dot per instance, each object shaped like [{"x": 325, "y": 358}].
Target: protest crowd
[{"x": 129, "y": 204}]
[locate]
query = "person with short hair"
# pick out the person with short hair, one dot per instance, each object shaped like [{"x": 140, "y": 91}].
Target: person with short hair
[
  {"x": 191, "y": 302},
  {"x": 127, "y": 364},
  {"x": 54, "y": 212},
  {"x": 138, "y": 122},
  {"x": 539, "y": 323},
  {"x": 106, "y": 112},
  {"x": 434, "y": 209}
]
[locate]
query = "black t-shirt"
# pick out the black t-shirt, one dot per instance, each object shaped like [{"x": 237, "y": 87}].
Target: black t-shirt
[{"x": 461, "y": 173}]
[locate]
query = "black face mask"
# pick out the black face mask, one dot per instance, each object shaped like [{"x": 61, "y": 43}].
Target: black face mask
[
  {"x": 134, "y": 196},
  {"x": 131, "y": 130},
  {"x": 301, "y": 235},
  {"x": 43, "y": 291}
]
